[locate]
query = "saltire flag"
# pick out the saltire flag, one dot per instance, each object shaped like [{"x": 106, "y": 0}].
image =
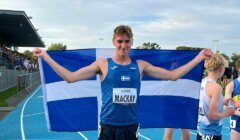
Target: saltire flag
[{"x": 162, "y": 103}]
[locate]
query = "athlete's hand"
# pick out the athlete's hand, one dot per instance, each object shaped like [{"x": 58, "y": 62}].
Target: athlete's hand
[
  {"x": 205, "y": 54},
  {"x": 39, "y": 53},
  {"x": 225, "y": 102},
  {"x": 229, "y": 112}
]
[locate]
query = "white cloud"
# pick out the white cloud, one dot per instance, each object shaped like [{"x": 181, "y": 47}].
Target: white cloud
[{"x": 80, "y": 23}]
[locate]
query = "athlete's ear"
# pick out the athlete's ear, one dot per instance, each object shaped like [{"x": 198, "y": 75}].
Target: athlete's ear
[
  {"x": 238, "y": 68},
  {"x": 132, "y": 42},
  {"x": 114, "y": 42}
]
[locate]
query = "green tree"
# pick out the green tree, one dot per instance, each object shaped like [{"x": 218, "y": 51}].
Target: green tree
[
  {"x": 28, "y": 54},
  {"x": 235, "y": 56},
  {"x": 226, "y": 57},
  {"x": 149, "y": 45},
  {"x": 188, "y": 48},
  {"x": 57, "y": 46}
]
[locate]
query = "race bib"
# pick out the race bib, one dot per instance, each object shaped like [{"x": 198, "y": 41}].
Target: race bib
[
  {"x": 233, "y": 123},
  {"x": 124, "y": 95}
]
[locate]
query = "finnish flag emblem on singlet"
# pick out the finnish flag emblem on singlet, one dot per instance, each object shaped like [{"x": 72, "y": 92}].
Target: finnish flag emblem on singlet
[
  {"x": 125, "y": 78},
  {"x": 124, "y": 95}
]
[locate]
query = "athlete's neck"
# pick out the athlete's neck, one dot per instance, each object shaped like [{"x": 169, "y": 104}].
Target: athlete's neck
[
  {"x": 213, "y": 76},
  {"x": 123, "y": 60}
]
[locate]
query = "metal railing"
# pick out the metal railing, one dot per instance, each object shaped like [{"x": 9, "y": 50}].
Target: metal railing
[
  {"x": 11, "y": 78},
  {"x": 26, "y": 80}
]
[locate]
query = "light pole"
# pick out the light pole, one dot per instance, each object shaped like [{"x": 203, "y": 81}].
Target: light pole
[
  {"x": 215, "y": 41},
  {"x": 101, "y": 39}
]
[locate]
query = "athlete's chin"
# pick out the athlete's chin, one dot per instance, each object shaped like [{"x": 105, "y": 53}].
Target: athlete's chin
[{"x": 124, "y": 53}]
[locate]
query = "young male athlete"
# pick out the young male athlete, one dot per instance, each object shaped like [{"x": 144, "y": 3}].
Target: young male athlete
[
  {"x": 120, "y": 76},
  {"x": 211, "y": 101},
  {"x": 233, "y": 92}
]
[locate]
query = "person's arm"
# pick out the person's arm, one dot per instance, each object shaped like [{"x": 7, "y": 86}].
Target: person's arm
[
  {"x": 216, "y": 91},
  {"x": 68, "y": 76},
  {"x": 175, "y": 74},
  {"x": 228, "y": 95},
  {"x": 229, "y": 90}
]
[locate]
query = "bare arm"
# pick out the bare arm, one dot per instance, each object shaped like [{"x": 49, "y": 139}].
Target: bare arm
[
  {"x": 161, "y": 73},
  {"x": 215, "y": 91},
  {"x": 229, "y": 90},
  {"x": 228, "y": 95},
  {"x": 68, "y": 76}
]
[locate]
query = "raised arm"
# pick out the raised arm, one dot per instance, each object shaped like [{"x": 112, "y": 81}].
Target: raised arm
[
  {"x": 68, "y": 76},
  {"x": 175, "y": 74}
]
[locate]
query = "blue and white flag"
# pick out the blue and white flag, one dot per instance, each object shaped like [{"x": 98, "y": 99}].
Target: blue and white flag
[{"x": 162, "y": 104}]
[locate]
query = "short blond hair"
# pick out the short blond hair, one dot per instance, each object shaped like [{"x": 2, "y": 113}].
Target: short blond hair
[
  {"x": 121, "y": 30},
  {"x": 215, "y": 62}
]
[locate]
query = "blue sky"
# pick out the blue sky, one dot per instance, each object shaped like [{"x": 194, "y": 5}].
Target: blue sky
[{"x": 170, "y": 23}]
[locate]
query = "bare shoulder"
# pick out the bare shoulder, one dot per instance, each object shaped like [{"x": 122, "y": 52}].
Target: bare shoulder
[
  {"x": 230, "y": 85},
  {"x": 214, "y": 88},
  {"x": 101, "y": 62},
  {"x": 142, "y": 62}
]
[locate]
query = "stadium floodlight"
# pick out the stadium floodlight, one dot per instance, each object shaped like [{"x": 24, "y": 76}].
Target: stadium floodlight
[{"x": 215, "y": 41}]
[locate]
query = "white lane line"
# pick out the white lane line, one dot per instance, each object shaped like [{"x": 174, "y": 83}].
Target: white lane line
[
  {"x": 21, "y": 118},
  {"x": 143, "y": 136},
  {"x": 33, "y": 114},
  {"x": 84, "y": 137}
]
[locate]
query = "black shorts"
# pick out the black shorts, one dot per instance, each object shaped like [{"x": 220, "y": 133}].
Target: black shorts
[
  {"x": 108, "y": 132},
  {"x": 208, "y": 137}
]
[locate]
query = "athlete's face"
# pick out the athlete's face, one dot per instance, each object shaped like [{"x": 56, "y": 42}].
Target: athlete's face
[
  {"x": 123, "y": 44},
  {"x": 238, "y": 69}
]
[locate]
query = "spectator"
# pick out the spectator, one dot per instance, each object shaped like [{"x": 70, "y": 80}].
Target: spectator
[{"x": 235, "y": 73}]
